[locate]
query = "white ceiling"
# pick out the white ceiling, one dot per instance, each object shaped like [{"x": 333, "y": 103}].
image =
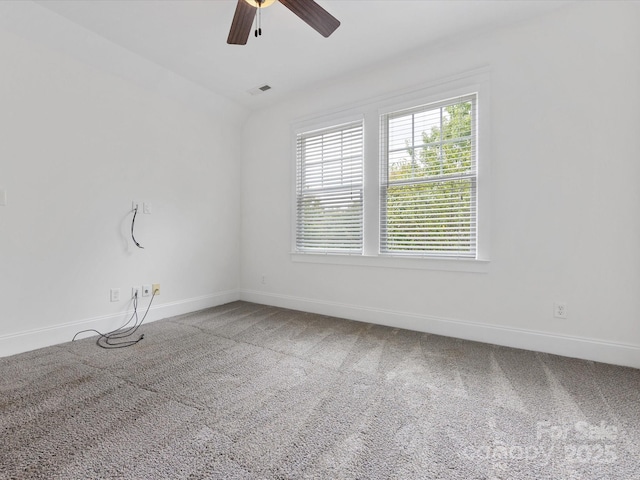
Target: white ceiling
[{"x": 188, "y": 37}]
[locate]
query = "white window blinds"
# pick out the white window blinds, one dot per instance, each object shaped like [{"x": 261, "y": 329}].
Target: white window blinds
[
  {"x": 329, "y": 189},
  {"x": 428, "y": 180}
]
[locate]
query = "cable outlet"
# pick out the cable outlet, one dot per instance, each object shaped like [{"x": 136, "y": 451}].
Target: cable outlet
[
  {"x": 115, "y": 295},
  {"x": 156, "y": 288},
  {"x": 560, "y": 310},
  {"x": 135, "y": 292},
  {"x": 134, "y": 204},
  {"x": 146, "y": 290}
]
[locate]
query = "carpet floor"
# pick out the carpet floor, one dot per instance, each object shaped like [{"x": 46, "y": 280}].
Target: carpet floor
[{"x": 246, "y": 391}]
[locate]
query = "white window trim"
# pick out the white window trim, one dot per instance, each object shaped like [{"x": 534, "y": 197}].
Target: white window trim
[
  {"x": 475, "y": 81},
  {"x": 396, "y": 261}
]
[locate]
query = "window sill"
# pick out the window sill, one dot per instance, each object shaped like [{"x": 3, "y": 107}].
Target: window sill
[{"x": 416, "y": 263}]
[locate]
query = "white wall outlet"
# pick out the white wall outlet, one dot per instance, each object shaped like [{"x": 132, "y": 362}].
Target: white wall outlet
[
  {"x": 263, "y": 280},
  {"x": 135, "y": 292},
  {"x": 560, "y": 310},
  {"x": 156, "y": 288},
  {"x": 134, "y": 204},
  {"x": 146, "y": 290},
  {"x": 115, "y": 295},
  {"x": 146, "y": 208}
]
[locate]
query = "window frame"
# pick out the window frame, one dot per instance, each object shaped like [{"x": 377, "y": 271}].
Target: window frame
[
  {"x": 476, "y": 82},
  {"x": 386, "y": 183},
  {"x": 336, "y": 187}
]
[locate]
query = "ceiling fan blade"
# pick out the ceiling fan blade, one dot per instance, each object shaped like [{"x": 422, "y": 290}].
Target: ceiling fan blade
[
  {"x": 314, "y": 15},
  {"x": 241, "y": 24}
]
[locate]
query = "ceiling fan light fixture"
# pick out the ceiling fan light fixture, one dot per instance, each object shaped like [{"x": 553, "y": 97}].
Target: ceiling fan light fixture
[
  {"x": 263, "y": 4},
  {"x": 307, "y": 10}
]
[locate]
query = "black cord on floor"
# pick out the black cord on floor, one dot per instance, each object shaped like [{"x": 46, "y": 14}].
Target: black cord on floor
[{"x": 116, "y": 338}]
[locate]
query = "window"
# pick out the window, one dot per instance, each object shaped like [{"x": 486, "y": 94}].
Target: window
[
  {"x": 412, "y": 193},
  {"x": 428, "y": 180},
  {"x": 329, "y": 189}
]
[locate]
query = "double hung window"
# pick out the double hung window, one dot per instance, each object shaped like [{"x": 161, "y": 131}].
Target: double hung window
[
  {"x": 428, "y": 180},
  {"x": 411, "y": 188},
  {"x": 329, "y": 195}
]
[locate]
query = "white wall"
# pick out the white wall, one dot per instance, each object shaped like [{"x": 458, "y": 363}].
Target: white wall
[
  {"x": 78, "y": 143},
  {"x": 86, "y": 127},
  {"x": 565, "y": 202}
]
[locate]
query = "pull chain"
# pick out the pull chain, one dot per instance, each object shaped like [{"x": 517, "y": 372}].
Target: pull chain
[{"x": 258, "y": 30}]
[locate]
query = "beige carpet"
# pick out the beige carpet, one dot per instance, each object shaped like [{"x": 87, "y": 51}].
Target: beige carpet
[{"x": 244, "y": 391}]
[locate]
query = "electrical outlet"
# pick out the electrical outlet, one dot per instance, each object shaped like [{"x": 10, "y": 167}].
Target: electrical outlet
[
  {"x": 146, "y": 208},
  {"x": 560, "y": 310},
  {"x": 156, "y": 289},
  {"x": 146, "y": 290},
  {"x": 135, "y": 292},
  {"x": 264, "y": 280},
  {"x": 134, "y": 204},
  {"x": 115, "y": 294}
]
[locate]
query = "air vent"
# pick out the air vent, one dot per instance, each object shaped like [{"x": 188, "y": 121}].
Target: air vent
[{"x": 260, "y": 89}]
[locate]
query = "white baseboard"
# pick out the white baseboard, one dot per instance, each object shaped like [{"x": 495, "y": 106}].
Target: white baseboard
[
  {"x": 43, "y": 337},
  {"x": 568, "y": 346}
]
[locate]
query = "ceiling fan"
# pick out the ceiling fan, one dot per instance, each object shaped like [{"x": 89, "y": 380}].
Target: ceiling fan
[{"x": 308, "y": 10}]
